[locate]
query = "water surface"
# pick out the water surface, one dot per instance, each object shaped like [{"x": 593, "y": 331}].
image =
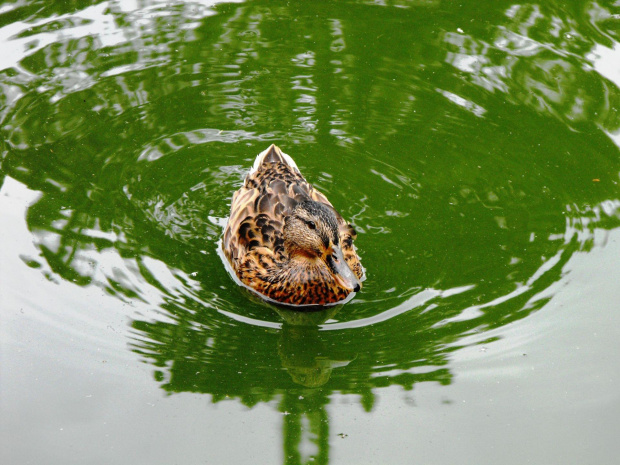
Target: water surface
[{"x": 474, "y": 146}]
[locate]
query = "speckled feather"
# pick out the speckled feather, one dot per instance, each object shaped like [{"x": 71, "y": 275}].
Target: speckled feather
[{"x": 253, "y": 240}]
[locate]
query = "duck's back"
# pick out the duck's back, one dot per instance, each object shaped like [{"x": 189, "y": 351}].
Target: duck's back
[{"x": 269, "y": 193}]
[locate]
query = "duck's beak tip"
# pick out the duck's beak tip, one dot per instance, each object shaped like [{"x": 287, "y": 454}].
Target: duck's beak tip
[{"x": 343, "y": 273}]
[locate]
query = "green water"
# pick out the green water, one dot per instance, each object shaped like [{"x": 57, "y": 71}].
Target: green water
[{"x": 474, "y": 146}]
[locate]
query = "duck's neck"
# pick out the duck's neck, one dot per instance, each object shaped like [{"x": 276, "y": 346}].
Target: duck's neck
[
  {"x": 302, "y": 280},
  {"x": 301, "y": 271}
]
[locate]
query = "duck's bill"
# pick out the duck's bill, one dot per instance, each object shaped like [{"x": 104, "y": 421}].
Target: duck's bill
[{"x": 341, "y": 270}]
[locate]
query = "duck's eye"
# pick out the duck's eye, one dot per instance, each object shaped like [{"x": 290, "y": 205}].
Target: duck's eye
[{"x": 311, "y": 224}]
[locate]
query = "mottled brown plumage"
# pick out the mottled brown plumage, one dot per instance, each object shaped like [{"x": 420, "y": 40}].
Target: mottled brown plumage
[{"x": 284, "y": 239}]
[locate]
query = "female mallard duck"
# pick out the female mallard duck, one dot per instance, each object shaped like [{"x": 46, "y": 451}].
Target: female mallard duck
[{"x": 284, "y": 239}]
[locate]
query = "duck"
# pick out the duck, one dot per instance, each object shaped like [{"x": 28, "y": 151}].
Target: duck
[{"x": 285, "y": 241}]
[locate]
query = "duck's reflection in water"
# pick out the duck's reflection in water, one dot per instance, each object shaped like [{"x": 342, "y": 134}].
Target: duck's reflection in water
[
  {"x": 309, "y": 361},
  {"x": 305, "y": 357}
]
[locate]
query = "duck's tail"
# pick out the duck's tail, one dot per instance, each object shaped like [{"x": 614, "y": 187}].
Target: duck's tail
[{"x": 273, "y": 154}]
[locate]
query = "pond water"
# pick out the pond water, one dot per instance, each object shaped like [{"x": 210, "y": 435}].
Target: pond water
[{"x": 474, "y": 146}]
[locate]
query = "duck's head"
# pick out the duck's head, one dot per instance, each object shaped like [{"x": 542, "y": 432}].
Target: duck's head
[{"x": 311, "y": 234}]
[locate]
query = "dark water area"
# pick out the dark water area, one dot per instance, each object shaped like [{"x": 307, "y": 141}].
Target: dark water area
[{"x": 475, "y": 148}]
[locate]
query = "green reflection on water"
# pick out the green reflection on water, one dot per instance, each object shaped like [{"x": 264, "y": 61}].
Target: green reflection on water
[{"x": 471, "y": 145}]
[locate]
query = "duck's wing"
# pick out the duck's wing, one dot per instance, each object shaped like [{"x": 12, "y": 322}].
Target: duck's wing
[
  {"x": 270, "y": 192},
  {"x": 256, "y": 221},
  {"x": 347, "y": 235}
]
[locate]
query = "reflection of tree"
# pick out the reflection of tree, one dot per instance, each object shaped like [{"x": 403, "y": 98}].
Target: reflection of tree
[
  {"x": 299, "y": 366},
  {"x": 297, "y": 437},
  {"x": 136, "y": 146},
  {"x": 537, "y": 59}
]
